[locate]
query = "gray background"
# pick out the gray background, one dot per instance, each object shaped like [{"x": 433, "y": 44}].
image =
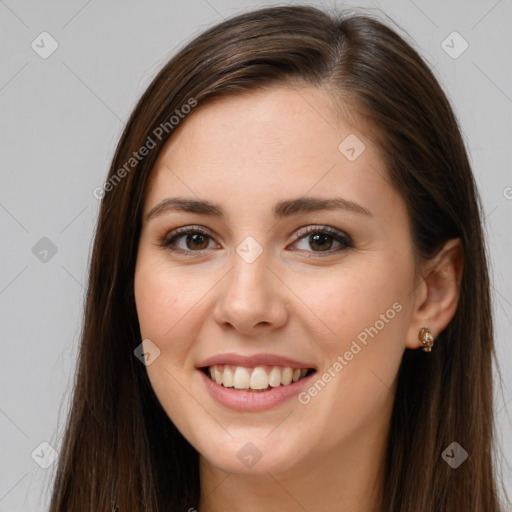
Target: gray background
[{"x": 61, "y": 118}]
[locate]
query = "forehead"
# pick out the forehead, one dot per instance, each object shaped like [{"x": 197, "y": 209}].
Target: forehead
[
  {"x": 280, "y": 142},
  {"x": 284, "y": 123}
]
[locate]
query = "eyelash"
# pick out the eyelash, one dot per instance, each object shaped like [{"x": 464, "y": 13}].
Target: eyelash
[{"x": 338, "y": 236}]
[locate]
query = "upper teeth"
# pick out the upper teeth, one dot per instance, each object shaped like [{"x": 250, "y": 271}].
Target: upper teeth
[{"x": 257, "y": 378}]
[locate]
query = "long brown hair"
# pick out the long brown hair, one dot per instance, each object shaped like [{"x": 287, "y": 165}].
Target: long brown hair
[{"x": 120, "y": 450}]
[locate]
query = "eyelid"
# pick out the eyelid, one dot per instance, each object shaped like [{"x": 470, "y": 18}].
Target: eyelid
[
  {"x": 340, "y": 236},
  {"x": 336, "y": 233},
  {"x": 177, "y": 232}
]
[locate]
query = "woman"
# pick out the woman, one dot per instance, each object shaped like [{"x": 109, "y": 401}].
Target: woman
[{"x": 225, "y": 363}]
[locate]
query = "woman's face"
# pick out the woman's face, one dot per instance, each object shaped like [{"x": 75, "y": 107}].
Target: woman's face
[{"x": 255, "y": 293}]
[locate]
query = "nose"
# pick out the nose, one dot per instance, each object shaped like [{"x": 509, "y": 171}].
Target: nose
[{"x": 251, "y": 298}]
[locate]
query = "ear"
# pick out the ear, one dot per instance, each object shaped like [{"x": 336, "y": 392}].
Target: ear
[{"x": 437, "y": 293}]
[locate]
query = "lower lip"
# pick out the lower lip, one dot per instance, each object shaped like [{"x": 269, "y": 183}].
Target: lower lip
[{"x": 253, "y": 401}]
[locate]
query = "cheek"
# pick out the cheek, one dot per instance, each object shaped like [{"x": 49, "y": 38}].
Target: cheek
[
  {"x": 163, "y": 299},
  {"x": 364, "y": 317},
  {"x": 164, "y": 311},
  {"x": 166, "y": 314},
  {"x": 364, "y": 302},
  {"x": 360, "y": 362},
  {"x": 171, "y": 308}
]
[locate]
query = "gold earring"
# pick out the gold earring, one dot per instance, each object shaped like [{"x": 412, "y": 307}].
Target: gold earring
[{"x": 427, "y": 338}]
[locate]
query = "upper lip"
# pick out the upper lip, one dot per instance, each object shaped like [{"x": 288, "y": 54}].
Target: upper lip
[{"x": 253, "y": 361}]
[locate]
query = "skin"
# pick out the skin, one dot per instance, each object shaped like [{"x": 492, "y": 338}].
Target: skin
[{"x": 245, "y": 153}]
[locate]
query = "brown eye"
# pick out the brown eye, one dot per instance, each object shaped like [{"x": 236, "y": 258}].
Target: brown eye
[
  {"x": 195, "y": 240},
  {"x": 322, "y": 239}
]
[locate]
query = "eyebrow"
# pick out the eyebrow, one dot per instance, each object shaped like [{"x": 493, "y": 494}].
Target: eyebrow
[{"x": 281, "y": 210}]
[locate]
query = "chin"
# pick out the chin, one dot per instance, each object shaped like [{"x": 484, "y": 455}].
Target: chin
[{"x": 256, "y": 457}]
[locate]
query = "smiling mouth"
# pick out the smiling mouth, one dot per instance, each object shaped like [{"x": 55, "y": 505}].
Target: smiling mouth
[{"x": 258, "y": 379}]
